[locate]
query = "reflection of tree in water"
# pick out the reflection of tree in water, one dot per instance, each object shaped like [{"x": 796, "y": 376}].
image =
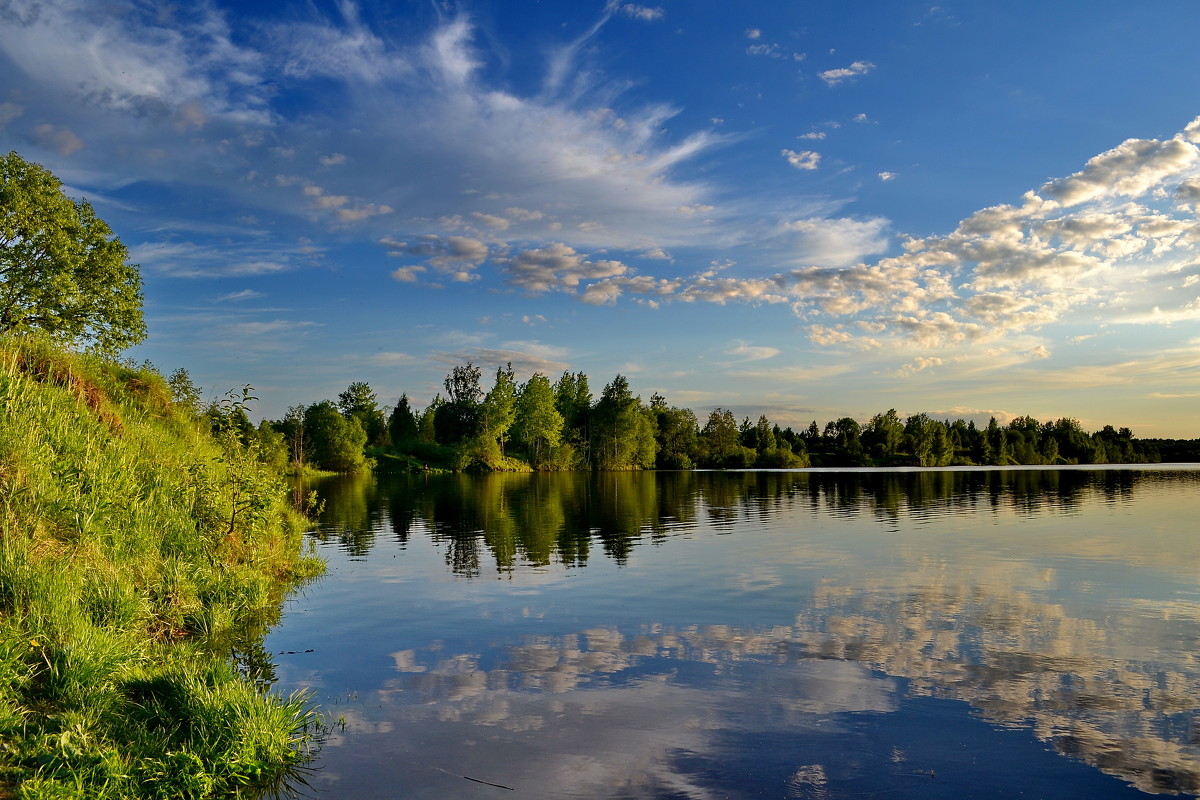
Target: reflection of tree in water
[{"x": 557, "y": 518}]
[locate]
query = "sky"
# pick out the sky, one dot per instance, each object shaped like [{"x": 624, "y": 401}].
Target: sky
[{"x": 799, "y": 209}]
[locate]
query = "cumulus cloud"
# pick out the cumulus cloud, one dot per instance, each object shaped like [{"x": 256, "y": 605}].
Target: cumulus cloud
[
  {"x": 454, "y": 256},
  {"x": 833, "y": 77},
  {"x": 410, "y": 274},
  {"x": 919, "y": 365},
  {"x": 556, "y": 267},
  {"x": 1130, "y": 169},
  {"x": 805, "y": 159}
]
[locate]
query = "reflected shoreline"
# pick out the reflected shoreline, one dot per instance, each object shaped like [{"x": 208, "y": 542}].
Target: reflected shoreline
[{"x": 1061, "y": 603}]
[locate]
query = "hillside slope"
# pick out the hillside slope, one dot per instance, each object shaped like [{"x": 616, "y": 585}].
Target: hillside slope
[{"x": 137, "y": 551}]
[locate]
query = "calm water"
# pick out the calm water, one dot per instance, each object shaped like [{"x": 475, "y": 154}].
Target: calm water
[{"x": 987, "y": 633}]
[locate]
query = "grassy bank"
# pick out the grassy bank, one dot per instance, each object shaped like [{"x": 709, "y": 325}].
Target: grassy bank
[{"x": 135, "y": 549}]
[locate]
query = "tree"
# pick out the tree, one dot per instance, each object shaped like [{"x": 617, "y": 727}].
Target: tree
[
  {"x": 183, "y": 392},
  {"x": 573, "y": 399},
  {"x": 719, "y": 443},
  {"x": 402, "y": 425},
  {"x": 335, "y": 443},
  {"x": 884, "y": 435},
  {"x": 458, "y": 418},
  {"x": 538, "y": 425},
  {"x": 622, "y": 430},
  {"x": 677, "y": 432},
  {"x": 499, "y": 408},
  {"x": 360, "y": 403},
  {"x": 61, "y": 269}
]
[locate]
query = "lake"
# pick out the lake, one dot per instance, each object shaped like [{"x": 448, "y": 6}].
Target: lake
[{"x": 951, "y": 633}]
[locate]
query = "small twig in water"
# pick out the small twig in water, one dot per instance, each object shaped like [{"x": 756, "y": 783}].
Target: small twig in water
[{"x": 475, "y": 780}]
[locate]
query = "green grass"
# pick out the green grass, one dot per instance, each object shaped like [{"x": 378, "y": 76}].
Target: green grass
[{"x": 134, "y": 547}]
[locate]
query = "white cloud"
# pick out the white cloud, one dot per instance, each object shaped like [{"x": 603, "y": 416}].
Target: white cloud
[
  {"x": 834, "y": 242},
  {"x": 238, "y": 297},
  {"x": 833, "y": 77},
  {"x": 556, "y": 267},
  {"x": 753, "y": 33},
  {"x": 887, "y": 176},
  {"x": 410, "y": 274},
  {"x": 191, "y": 260},
  {"x": 805, "y": 159},
  {"x": 750, "y": 352},
  {"x": 1130, "y": 169},
  {"x": 919, "y": 365},
  {"x": 643, "y": 13}
]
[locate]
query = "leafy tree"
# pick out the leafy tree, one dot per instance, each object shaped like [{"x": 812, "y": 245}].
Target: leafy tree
[
  {"x": 499, "y": 408},
  {"x": 292, "y": 429},
  {"x": 622, "y": 431},
  {"x": 884, "y": 435},
  {"x": 458, "y": 418},
  {"x": 335, "y": 443},
  {"x": 183, "y": 393},
  {"x": 846, "y": 436},
  {"x": 402, "y": 424},
  {"x": 360, "y": 403},
  {"x": 573, "y": 399},
  {"x": 538, "y": 424},
  {"x": 677, "y": 434},
  {"x": 427, "y": 424},
  {"x": 719, "y": 442},
  {"x": 61, "y": 269}
]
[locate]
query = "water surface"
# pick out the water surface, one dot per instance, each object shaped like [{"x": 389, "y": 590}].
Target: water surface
[{"x": 952, "y": 633}]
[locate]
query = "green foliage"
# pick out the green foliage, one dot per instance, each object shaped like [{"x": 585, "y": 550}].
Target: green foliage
[
  {"x": 677, "y": 435},
  {"x": 333, "y": 442},
  {"x": 134, "y": 544},
  {"x": 556, "y": 427},
  {"x": 538, "y": 424},
  {"x": 402, "y": 424},
  {"x": 62, "y": 272},
  {"x": 360, "y": 403},
  {"x": 720, "y": 443},
  {"x": 499, "y": 409},
  {"x": 183, "y": 393},
  {"x": 457, "y": 419},
  {"x": 622, "y": 430}
]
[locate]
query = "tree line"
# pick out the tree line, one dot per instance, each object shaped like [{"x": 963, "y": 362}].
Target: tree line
[{"x": 560, "y": 425}]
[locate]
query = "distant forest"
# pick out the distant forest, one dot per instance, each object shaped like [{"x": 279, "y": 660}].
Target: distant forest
[{"x": 544, "y": 425}]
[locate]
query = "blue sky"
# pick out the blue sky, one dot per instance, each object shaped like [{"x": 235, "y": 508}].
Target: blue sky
[{"x": 808, "y": 210}]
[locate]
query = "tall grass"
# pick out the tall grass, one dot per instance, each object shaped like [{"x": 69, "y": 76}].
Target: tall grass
[{"x": 133, "y": 545}]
